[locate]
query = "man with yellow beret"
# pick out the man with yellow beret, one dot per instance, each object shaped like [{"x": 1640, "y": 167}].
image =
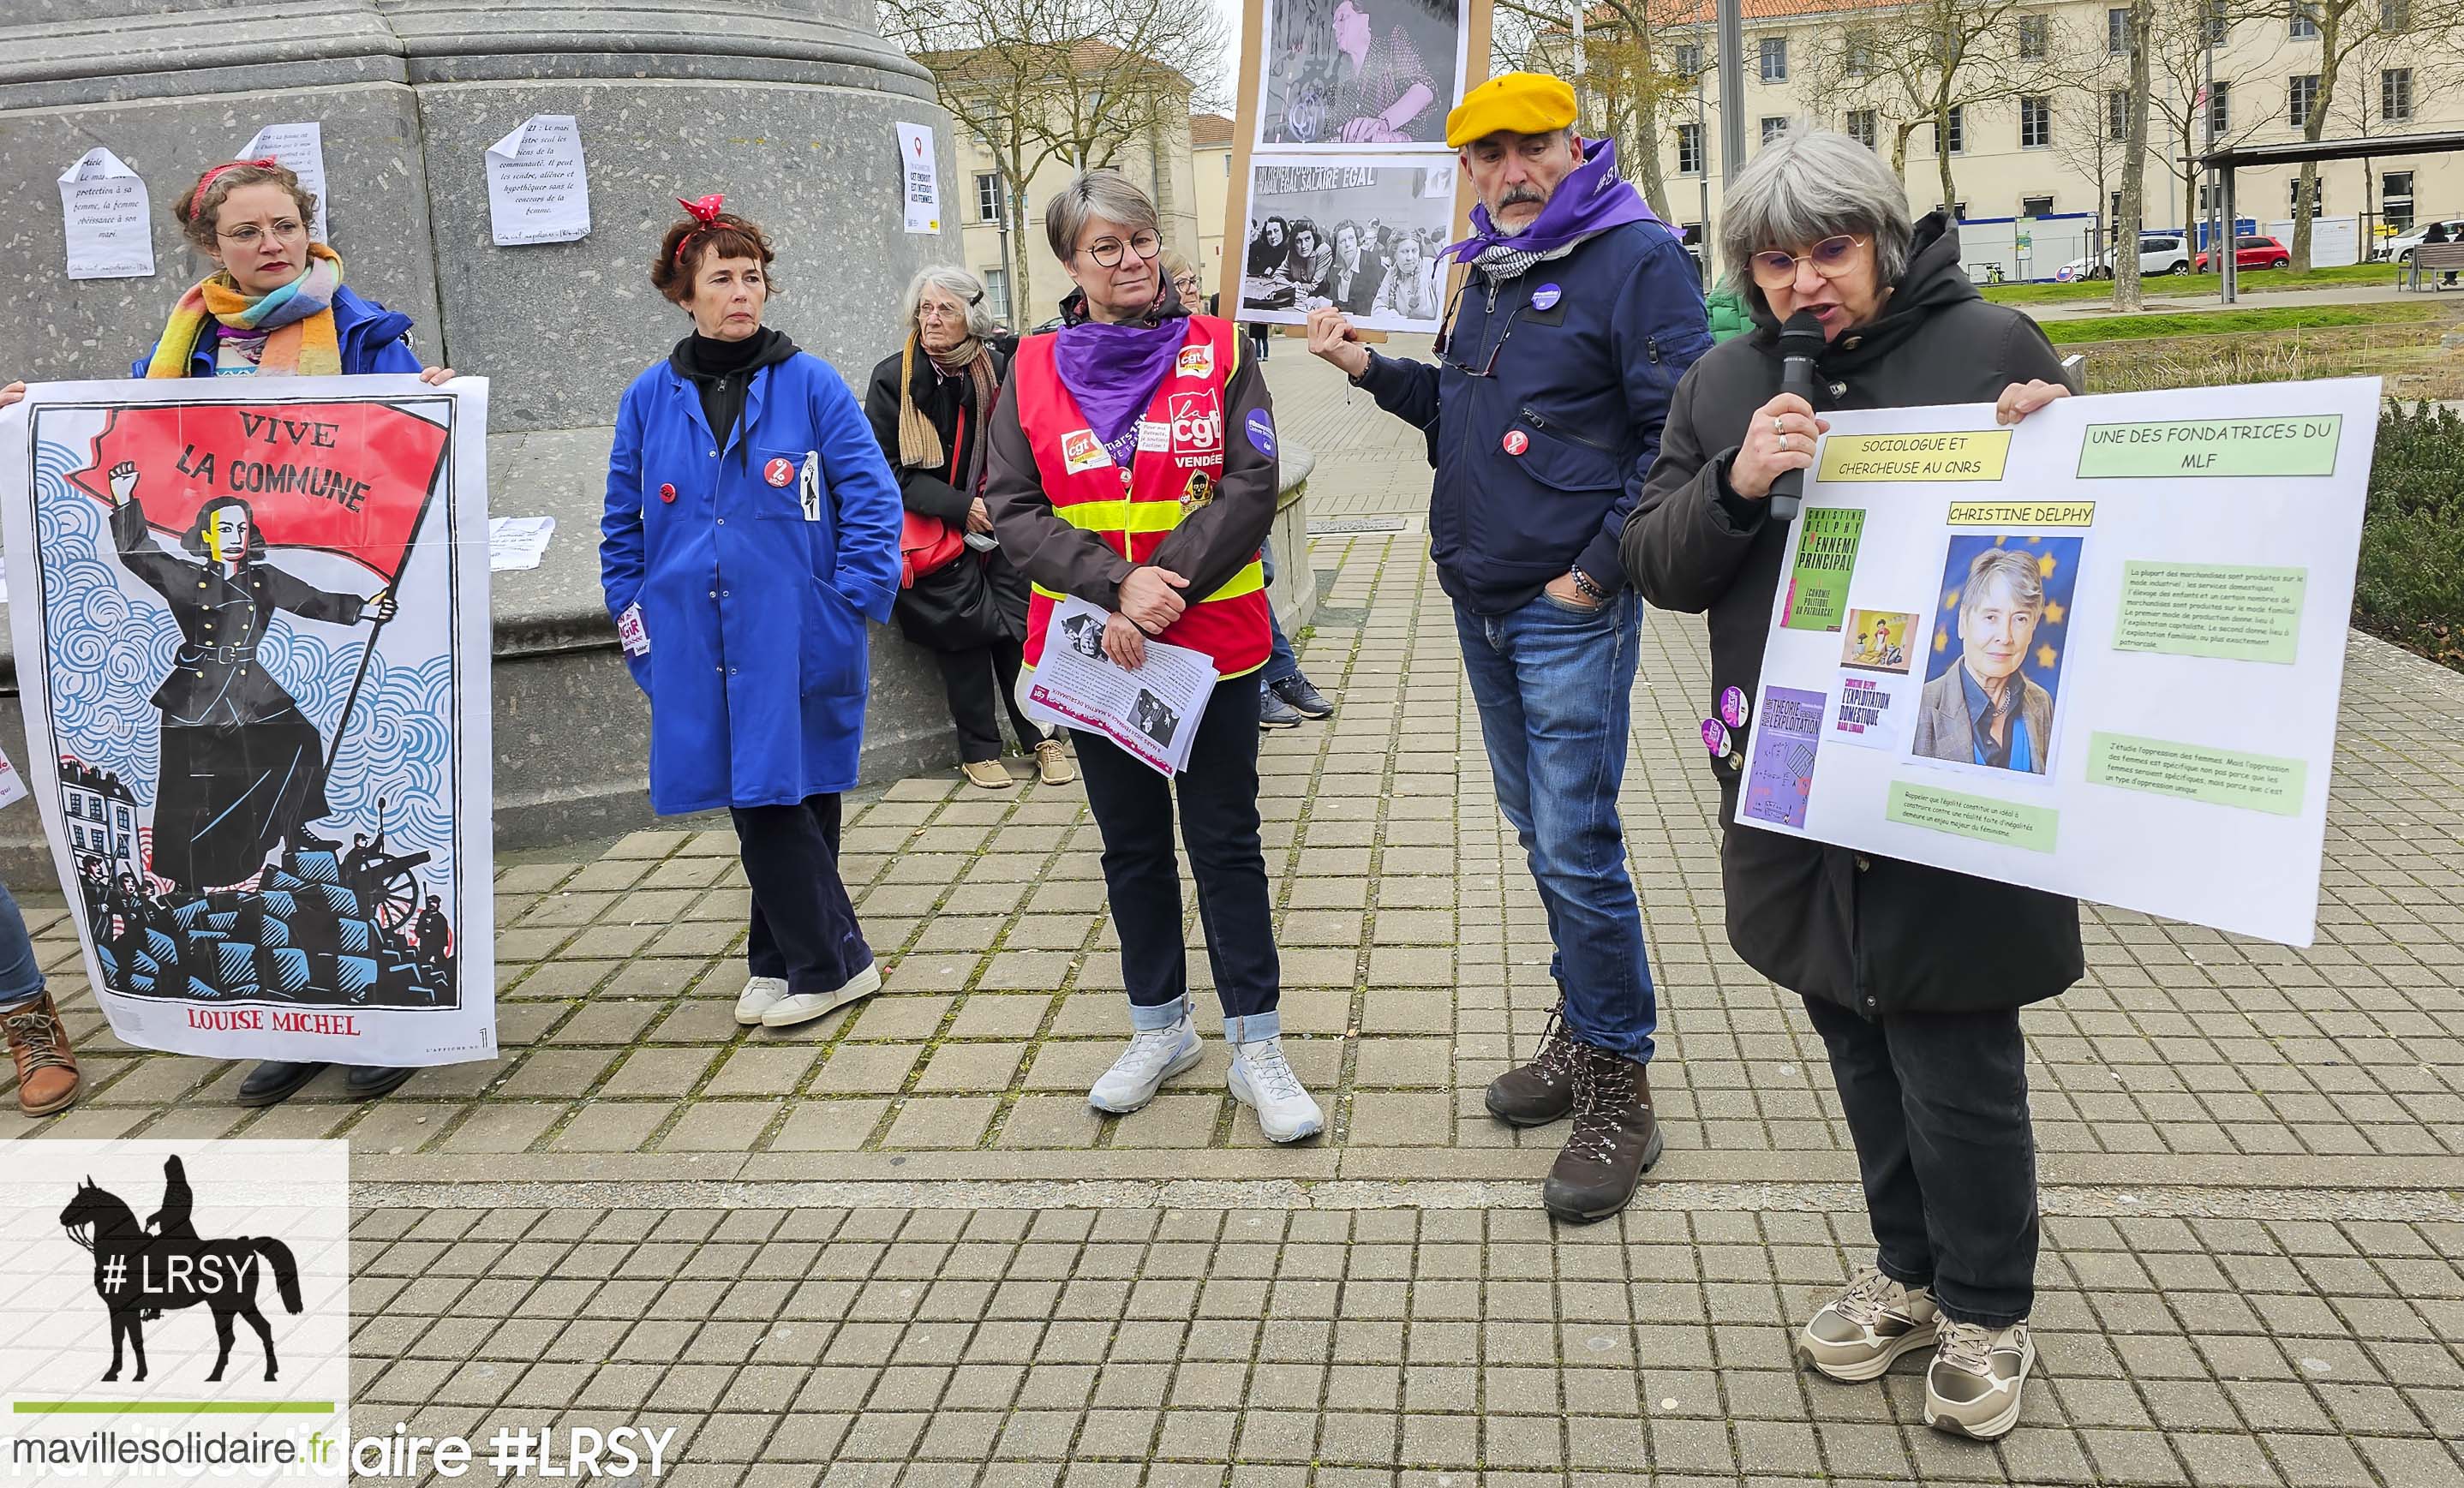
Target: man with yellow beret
[{"x": 1578, "y": 315}]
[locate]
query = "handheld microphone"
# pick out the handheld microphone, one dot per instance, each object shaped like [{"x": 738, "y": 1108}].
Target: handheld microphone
[{"x": 1800, "y": 341}]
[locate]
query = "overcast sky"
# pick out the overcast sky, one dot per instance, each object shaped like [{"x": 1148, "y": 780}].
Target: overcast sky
[{"x": 1225, "y": 73}]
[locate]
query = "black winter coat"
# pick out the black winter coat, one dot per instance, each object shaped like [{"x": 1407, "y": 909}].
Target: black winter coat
[
  {"x": 979, "y": 598},
  {"x": 1874, "y": 934}
]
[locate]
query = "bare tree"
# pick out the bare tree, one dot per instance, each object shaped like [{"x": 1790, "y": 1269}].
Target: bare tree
[
  {"x": 2083, "y": 141},
  {"x": 1633, "y": 89},
  {"x": 2126, "y": 293},
  {"x": 2181, "y": 99},
  {"x": 1042, "y": 81}
]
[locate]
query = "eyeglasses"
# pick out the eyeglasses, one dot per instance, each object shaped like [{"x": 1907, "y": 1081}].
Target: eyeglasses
[
  {"x": 1107, "y": 251},
  {"x": 248, "y": 233},
  {"x": 1446, "y": 332},
  {"x": 1831, "y": 258}
]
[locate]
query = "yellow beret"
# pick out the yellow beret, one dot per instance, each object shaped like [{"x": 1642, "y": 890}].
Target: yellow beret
[{"x": 1524, "y": 103}]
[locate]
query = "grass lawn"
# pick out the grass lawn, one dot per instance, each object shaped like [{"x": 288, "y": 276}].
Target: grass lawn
[
  {"x": 2163, "y": 286},
  {"x": 2229, "y": 322}
]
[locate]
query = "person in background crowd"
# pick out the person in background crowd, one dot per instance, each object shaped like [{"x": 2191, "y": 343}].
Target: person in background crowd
[
  {"x": 47, "y": 1077},
  {"x": 1541, "y": 441},
  {"x": 1165, "y": 538},
  {"x": 1913, "y": 976},
  {"x": 751, "y": 529},
  {"x": 1183, "y": 275},
  {"x": 928, "y": 404},
  {"x": 275, "y": 305},
  {"x": 1288, "y": 696}
]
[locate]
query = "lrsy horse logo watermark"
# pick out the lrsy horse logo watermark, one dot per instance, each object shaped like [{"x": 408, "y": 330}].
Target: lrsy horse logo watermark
[{"x": 126, "y": 1270}]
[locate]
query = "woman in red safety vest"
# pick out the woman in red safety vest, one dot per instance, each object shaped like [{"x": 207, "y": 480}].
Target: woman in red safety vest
[{"x": 1133, "y": 465}]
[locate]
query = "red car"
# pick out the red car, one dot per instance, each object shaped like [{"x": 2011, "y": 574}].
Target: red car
[{"x": 2251, "y": 252}]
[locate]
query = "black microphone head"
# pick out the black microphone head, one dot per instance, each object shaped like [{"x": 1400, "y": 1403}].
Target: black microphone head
[{"x": 1802, "y": 335}]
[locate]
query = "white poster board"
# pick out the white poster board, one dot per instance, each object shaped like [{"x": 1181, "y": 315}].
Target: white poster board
[
  {"x": 302, "y": 148},
  {"x": 1338, "y": 76},
  {"x": 1364, "y": 232},
  {"x": 2166, "y": 722},
  {"x": 919, "y": 178},
  {"x": 252, "y": 642},
  {"x": 104, "y": 218},
  {"x": 539, "y": 189}
]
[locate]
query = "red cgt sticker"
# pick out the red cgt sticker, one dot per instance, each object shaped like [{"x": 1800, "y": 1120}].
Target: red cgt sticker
[
  {"x": 779, "y": 472},
  {"x": 667, "y": 492},
  {"x": 1516, "y": 441}
]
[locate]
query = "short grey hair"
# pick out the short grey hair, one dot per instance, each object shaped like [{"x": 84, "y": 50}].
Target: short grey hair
[
  {"x": 959, "y": 285},
  {"x": 1806, "y": 185},
  {"x": 2013, "y": 567},
  {"x": 1105, "y": 195}
]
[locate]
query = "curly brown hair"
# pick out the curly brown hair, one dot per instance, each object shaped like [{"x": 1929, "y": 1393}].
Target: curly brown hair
[
  {"x": 196, "y": 208},
  {"x": 688, "y": 242}
]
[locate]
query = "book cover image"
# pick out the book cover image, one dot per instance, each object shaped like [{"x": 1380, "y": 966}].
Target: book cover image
[
  {"x": 1780, "y": 781},
  {"x": 1826, "y": 557}
]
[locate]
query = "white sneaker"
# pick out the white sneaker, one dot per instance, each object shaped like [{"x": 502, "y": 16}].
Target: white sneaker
[
  {"x": 805, "y": 1006},
  {"x": 759, "y": 996},
  {"x": 1154, "y": 1055},
  {"x": 1263, "y": 1080}
]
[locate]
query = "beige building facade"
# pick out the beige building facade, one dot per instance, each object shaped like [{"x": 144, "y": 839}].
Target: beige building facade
[{"x": 1159, "y": 162}]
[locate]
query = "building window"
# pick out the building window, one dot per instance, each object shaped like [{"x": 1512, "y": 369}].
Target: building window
[
  {"x": 2300, "y": 96},
  {"x": 1958, "y": 128},
  {"x": 2116, "y": 32},
  {"x": 2220, "y": 107},
  {"x": 1774, "y": 126},
  {"x": 2214, "y": 22},
  {"x": 997, "y": 293},
  {"x": 2395, "y": 198},
  {"x": 988, "y": 195},
  {"x": 2208, "y": 198},
  {"x": 2318, "y": 196},
  {"x": 1862, "y": 127},
  {"x": 2305, "y": 20},
  {"x": 2035, "y": 122},
  {"x": 1775, "y": 53},
  {"x": 2116, "y": 115},
  {"x": 1689, "y": 59},
  {"x": 1858, "y": 55},
  {"x": 2033, "y": 32},
  {"x": 1689, "y": 149},
  {"x": 2395, "y": 93},
  {"x": 2395, "y": 16},
  {"x": 2035, "y": 207},
  {"x": 2113, "y": 210}
]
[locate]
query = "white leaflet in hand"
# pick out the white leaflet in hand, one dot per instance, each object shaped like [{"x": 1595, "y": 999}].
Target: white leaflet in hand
[
  {"x": 518, "y": 541},
  {"x": 919, "y": 178},
  {"x": 103, "y": 208},
  {"x": 302, "y": 148},
  {"x": 539, "y": 189},
  {"x": 1152, "y": 712}
]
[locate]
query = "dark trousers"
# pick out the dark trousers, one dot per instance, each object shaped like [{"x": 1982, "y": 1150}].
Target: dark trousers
[
  {"x": 973, "y": 680},
  {"x": 1217, "y": 795},
  {"x": 1937, "y": 1104},
  {"x": 803, "y": 925}
]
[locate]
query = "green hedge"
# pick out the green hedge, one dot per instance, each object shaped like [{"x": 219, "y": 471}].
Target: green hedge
[{"x": 2410, "y": 586}]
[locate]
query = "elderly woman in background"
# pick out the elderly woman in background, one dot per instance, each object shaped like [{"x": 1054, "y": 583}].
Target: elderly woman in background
[
  {"x": 1984, "y": 710},
  {"x": 273, "y": 305},
  {"x": 928, "y": 404},
  {"x": 1101, "y": 492},
  {"x": 751, "y": 529},
  {"x": 1913, "y": 977}
]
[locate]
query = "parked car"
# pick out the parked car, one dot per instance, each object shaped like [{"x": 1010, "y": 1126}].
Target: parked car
[
  {"x": 2251, "y": 250},
  {"x": 2158, "y": 254},
  {"x": 2399, "y": 247}
]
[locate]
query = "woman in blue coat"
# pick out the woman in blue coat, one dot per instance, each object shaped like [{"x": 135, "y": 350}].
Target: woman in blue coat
[{"x": 751, "y": 529}]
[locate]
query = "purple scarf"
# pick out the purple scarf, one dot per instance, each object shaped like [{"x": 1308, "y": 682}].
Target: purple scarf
[
  {"x": 1592, "y": 198},
  {"x": 1114, "y": 370}
]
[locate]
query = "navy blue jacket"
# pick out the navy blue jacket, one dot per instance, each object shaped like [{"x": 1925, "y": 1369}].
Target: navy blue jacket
[
  {"x": 1585, "y": 383},
  {"x": 370, "y": 335}
]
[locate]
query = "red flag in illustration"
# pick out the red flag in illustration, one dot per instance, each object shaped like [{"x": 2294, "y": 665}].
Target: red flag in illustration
[{"x": 351, "y": 478}]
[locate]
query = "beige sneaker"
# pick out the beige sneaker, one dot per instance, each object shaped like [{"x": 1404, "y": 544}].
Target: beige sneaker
[
  {"x": 1053, "y": 764},
  {"x": 990, "y": 774},
  {"x": 1867, "y": 1326},
  {"x": 1973, "y": 1388}
]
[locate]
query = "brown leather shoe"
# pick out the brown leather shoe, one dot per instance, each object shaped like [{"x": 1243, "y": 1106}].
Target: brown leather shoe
[
  {"x": 1615, "y": 1142},
  {"x": 48, "y": 1078},
  {"x": 1543, "y": 1090}
]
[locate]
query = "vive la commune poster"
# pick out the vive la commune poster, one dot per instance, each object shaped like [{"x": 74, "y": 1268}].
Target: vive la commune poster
[{"x": 253, "y": 640}]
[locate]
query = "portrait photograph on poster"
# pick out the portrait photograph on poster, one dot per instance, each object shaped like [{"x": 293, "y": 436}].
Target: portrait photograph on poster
[
  {"x": 251, "y": 640},
  {"x": 1362, "y": 232},
  {"x": 1342, "y": 73},
  {"x": 1995, "y": 675}
]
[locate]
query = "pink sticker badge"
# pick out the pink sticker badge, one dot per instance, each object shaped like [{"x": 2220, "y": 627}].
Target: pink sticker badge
[
  {"x": 1732, "y": 707},
  {"x": 1515, "y": 441},
  {"x": 1715, "y": 736}
]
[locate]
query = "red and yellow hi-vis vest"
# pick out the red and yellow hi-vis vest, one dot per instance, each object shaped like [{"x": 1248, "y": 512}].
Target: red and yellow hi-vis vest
[{"x": 1177, "y": 461}]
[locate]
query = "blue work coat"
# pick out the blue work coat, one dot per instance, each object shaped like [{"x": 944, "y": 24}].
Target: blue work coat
[{"x": 754, "y": 600}]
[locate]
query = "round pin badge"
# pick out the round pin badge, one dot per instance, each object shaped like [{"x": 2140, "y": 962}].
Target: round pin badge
[
  {"x": 779, "y": 472},
  {"x": 1732, "y": 707},
  {"x": 1545, "y": 297},
  {"x": 667, "y": 492},
  {"x": 1715, "y": 735},
  {"x": 1515, "y": 441},
  {"x": 1735, "y": 760}
]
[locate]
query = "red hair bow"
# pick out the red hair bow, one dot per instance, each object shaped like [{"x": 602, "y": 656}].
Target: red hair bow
[
  {"x": 208, "y": 179},
  {"x": 704, "y": 211}
]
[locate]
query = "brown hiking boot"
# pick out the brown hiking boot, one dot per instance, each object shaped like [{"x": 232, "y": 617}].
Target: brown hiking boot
[
  {"x": 1543, "y": 1090},
  {"x": 1614, "y": 1141},
  {"x": 47, "y": 1071}
]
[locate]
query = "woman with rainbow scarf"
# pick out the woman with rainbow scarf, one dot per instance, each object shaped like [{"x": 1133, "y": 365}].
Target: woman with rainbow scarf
[{"x": 275, "y": 305}]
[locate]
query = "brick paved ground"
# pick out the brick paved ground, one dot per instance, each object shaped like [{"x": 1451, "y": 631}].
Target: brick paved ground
[{"x": 895, "y": 1245}]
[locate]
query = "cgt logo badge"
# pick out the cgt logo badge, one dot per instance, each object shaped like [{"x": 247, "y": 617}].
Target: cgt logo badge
[{"x": 1196, "y": 423}]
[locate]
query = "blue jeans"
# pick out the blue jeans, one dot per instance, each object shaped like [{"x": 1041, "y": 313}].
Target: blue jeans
[
  {"x": 1282, "y": 665},
  {"x": 1554, "y": 688},
  {"x": 21, "y": 980}
]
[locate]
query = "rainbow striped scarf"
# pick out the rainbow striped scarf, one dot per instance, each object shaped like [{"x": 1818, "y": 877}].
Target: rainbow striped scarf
[{"x": 297, "y": 319}]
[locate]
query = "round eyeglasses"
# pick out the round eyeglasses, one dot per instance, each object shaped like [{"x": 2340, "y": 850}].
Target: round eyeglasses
[
  {"x": 1107, "y": 251},
  {"x": 1831, "y": 258}
]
